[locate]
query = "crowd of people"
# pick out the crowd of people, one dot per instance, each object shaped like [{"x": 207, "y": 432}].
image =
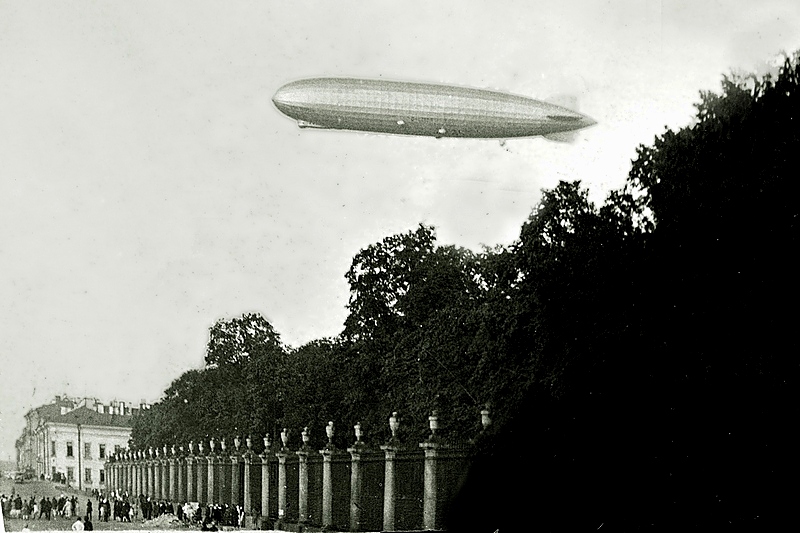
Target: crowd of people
[
  {"x": 40, "y": 509},
  {"x": 122, "y": 507}
]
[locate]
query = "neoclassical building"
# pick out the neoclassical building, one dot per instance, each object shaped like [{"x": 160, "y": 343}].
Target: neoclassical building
[{"x": 72, "y": 438}]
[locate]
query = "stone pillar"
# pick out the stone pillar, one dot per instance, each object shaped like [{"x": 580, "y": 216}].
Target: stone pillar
[
  {"x": 142, "y": 477},
  {"x": 148, "y": 466},
  {"x": 135, "y": 476},
  {"x": 329, "y": 455},
  {"x": 302, "y": 503},
  {"x": 180, "y": 484},
  {"x": 265, "y": 495},
  {"x": 159, "y": 477},
  {"x": 389, "y": 487},
  {"x": 145, "y": 476},
  {"x": 212, "y": 486},
  {"x": 202, "y": 495},
  {"x": 165, "y": 481},
  {"x": 173, "y": 486},
  {"x": 430, "y": 502},
  {"x": 223, "y": 477},
  {"x": 327, "y": 487},
  {"x": 157, "y": 480},
  {"x": 234, "y": 492},
  {"x": 355, "y": 486},
  {"x": 191, "y": 493},
  {"x": 282, "y": 486},
  {"x": 247, "y": 495}
]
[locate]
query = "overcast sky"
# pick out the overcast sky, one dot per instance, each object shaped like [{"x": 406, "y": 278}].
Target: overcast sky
[{"x": 148, "y": 187}]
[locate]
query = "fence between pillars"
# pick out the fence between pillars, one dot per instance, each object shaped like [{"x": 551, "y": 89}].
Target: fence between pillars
[{"x": 389, "y": 488}]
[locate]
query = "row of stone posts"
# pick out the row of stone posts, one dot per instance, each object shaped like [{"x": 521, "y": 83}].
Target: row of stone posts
[{"x": 393, "y": 487}]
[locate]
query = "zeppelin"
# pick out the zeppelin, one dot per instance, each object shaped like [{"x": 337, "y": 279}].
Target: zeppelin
[{"x": 432, "y": 110}]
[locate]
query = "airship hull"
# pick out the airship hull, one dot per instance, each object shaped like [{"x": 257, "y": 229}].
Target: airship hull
[{"x": 406, "y": 108}]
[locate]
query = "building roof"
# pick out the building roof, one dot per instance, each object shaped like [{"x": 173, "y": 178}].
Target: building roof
[
  {"x": 49, "y": 410},
  {"x": 89, "y": 417}
]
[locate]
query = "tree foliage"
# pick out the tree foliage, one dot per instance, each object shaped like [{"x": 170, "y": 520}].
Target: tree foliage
[{"x": 240, "y": 340}]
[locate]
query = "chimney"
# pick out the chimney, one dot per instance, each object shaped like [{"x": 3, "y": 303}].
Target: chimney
[
  {"x": 100, "y": 408},
  {"x": 122, "y": 408},
  {"x": 63, "y": 409}
]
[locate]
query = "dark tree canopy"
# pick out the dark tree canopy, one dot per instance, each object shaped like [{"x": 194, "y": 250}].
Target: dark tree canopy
[
  {"x": 664, "y": 365},
  {"x": 240, "y": 340}
]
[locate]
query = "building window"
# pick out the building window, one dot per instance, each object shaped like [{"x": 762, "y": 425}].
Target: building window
[
  {"x": 52, "y": 448},
  {"x": 87, "y": 475},
  {"x": 70, "y": 474},
  {"x": 53, "y": 474},
  {"x": 69, "y": 449},
  {"x": 102, "y": 476},
  {"x": 87, "y": 450},
  {"x": 102, "y": 452},
  {"x": 117, "y": 450}
]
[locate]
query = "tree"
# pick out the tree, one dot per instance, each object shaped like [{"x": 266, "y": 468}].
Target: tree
[
  {"x": 409, "y": 302},
  {"x": 239, "y": 340},
  {"x": 238, "y": 392}
]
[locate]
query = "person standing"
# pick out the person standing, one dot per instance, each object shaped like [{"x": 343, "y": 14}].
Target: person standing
[
  {"x": 78, "y": 525},
  {"x": 89, "y": 509}
]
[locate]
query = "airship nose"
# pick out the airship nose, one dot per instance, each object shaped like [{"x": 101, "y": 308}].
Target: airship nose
[
  {"x": 288, "y": 97},
  {"x": 280, "y": 99}
]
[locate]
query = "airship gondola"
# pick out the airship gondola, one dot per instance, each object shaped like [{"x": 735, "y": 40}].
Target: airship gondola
[{"x": 407, "y": 108}]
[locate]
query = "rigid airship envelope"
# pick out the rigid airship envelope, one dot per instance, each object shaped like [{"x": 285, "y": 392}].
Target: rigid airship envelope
[{"x": 407, "y": 108}]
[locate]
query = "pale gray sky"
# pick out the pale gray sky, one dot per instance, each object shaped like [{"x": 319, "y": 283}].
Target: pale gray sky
[{"x": 148, "y": 186}]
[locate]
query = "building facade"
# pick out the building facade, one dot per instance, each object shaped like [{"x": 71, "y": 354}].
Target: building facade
[{"x": 71, "y": 439}]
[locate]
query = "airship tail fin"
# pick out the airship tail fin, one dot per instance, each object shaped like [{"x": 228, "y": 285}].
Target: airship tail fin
[
  {"x": 562, "y": 137},
  {"x": 567, "y": 101}
]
